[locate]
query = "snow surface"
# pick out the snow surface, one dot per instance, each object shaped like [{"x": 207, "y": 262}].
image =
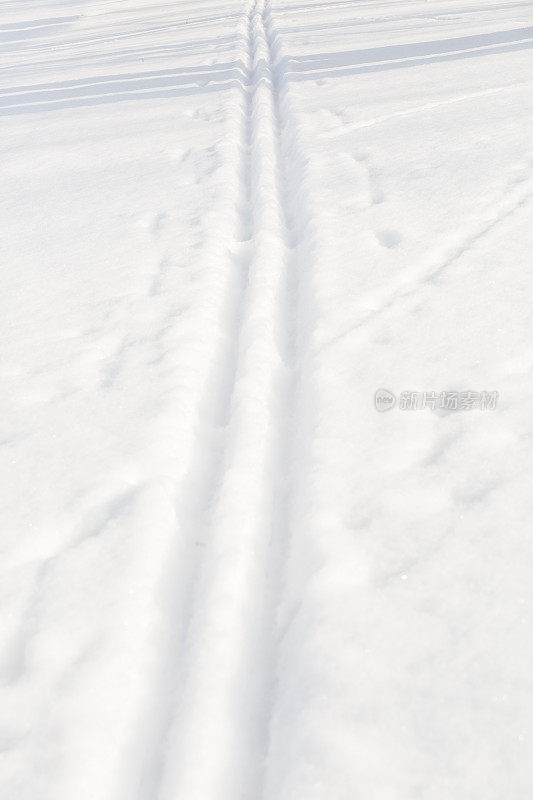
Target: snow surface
[{"x": 224, "y": 574}]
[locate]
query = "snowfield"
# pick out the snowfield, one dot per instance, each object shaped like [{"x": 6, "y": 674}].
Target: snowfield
[{"x": 224, "y": 574}]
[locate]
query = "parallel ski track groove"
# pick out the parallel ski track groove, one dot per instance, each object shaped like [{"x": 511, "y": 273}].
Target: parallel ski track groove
[
  {"x": 198, "y": 494},
  {"x": 217, "y": 688}
]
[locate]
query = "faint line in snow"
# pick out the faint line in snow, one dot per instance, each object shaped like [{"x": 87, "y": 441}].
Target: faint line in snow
[
  {"x": 356, "y": 126},
  {"x": 505, "y": 209}
]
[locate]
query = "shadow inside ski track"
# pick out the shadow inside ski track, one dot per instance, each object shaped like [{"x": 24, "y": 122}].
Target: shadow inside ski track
[
  {"x": 171, "y": 83},
  {"x": 412, "y": 54},
  {"x": 95, "y": 90}
]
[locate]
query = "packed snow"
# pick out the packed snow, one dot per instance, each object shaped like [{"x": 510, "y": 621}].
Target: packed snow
[{"x": 225, "y": 574}]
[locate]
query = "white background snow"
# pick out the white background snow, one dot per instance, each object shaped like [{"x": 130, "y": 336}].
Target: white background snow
[{"x": 224, "y": 575}]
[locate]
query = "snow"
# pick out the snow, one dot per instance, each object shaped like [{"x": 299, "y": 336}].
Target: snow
[{"x": 224, "y": 574}]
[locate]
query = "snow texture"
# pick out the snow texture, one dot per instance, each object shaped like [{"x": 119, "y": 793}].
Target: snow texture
[{"x": 224, "y": 575}]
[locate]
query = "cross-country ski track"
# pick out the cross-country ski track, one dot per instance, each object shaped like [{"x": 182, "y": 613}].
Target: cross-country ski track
[{"x": 219, "y": 731}]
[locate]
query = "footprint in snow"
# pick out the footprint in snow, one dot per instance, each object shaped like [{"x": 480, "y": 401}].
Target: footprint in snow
[{"x": 389, "y": 238}]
